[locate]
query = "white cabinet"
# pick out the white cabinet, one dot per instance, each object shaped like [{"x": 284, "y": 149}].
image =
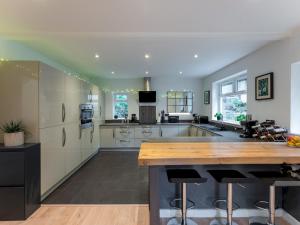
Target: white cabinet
[
  {"x": 107, "y": 137},
  {"x": 95, "y": 138},
  {"x": 85, "y": 92},
  {"x": 72, "y": 146},
  {"x": 53, "y": 156},
  {"x": 95, "y": 102},
  {"x": 146, "y": 132},
  {"x": 193, "y": 131},
  {"x": 169, "y": 131},
  {"x": 124, "y": 143},
  {"x": 72, "y": 99},
  {"x": 86, "y": 143},
  {"x": 124, "y": 132},
  {"x": 51, "y": 96},
  {"x": 183, "y": 130}
]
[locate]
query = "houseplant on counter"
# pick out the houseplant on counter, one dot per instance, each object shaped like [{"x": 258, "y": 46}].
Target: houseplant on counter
[
  {"x": 219, "y": 116},
  {"x": 13, "y": 133}
]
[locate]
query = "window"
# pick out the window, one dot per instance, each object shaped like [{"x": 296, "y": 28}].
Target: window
[
  {"x": 180, "y": 102},
  {"x": 120, "y": 106},
  {"x": 232, "y": 102}
]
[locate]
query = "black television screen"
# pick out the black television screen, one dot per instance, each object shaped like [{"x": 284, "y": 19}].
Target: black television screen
[{"x": 147, "y": 96}]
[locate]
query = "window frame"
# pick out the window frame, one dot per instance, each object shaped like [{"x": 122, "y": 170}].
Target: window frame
[
  {"x": 235, "y": 92},
  {"x": 116, "y": 101},
  {"x": 184, "y": 105}
]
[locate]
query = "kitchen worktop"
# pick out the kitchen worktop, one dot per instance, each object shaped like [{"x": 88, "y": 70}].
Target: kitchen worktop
[{"x": 217, "y": 153}]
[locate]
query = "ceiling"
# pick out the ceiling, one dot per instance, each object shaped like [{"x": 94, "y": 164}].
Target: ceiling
[{"x": 170, "y": 31}]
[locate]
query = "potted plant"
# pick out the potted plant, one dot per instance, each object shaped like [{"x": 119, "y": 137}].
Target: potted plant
[
  {"x": 13, "y": 133},
  {"x": 219, "y": 116}
]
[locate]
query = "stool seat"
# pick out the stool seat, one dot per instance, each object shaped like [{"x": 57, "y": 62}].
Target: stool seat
[
  {"x": 230, "y": 176},
  {"x": 184, "y": 176},
  {"x": 272, "y": 177}
]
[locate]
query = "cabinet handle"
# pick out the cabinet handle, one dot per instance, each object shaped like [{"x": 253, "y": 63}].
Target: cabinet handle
[
  {"x": 91, "y": 94},
  {"x": 93, "y": 127},
  {"x": 63, "y": 112},
  {"x": 92, "y": 136},
  {"x": 64, "y": 137},
  {"x": 124, "y": 141},
  {"x": 161, "y": 133},
  {"x": 80, "y": 132},
  {"x": 113, "y": 133}
]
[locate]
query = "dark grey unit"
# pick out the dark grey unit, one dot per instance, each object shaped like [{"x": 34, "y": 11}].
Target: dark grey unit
[
  {"x": 147, "y": 114},
  {"x": 20, "y": 181}
]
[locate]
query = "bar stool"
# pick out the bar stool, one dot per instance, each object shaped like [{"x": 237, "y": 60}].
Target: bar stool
[
  {"x": 271, "y": 178},
  {"x": 184, "y": 177},
  {"x": 228, "y": 177}
]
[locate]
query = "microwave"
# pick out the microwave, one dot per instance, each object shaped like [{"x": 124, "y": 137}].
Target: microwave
[{"x": 86, "y": 115}]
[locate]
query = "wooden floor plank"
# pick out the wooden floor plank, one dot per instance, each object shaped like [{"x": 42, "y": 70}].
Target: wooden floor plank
[{"x": 98, "y": 215}]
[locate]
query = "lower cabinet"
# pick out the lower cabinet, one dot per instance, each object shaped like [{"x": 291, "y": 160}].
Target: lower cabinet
[
  {"x": 183, "y": 130},
  {"x": 86, "y": 143},
  {"x": 107, "y": 137},
  {"x": 169, "y": 131},
  {"x": 20, "y": 181},
  {"x": 53, "y": 156},
  {"x": 72, "y": 146}
]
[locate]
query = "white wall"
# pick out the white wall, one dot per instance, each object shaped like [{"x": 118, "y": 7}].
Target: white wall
[
  {"x": 295, "y": 99},
  {"x": 275, "y": 57},
  {"x": 164, "y": 84},
  {"x": 129, "y": 86},
  {"x": 159, "y": 84}
]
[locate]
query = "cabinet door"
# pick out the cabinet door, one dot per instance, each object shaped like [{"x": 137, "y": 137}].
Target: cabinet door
[
  {"x": 124, "y": 143},
  {"x": 95, "y": 102},
  {"x": 72, "y": 99},
  {"x": 72, "y": 146},
  {"x": 53, "y": 155},
  {"x": 107, "y": 137},
  {"x": 85, "y": 143},
  {"x": 146, "y": 132},
  {"x": 193, "y": 131},
  {"x": 101, "y": 105},
  {"x": 183, "y": 130},
  {"x": 85, "y": 92},
  {"x": 169, "y": 131},
  {"x": 51, "y": 96},
  {"x": 96, "y": 138}
]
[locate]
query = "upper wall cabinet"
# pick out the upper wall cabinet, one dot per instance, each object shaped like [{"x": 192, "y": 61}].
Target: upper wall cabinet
[
  {"x": 85, "y": 92},
  {"x": 51, "y": 96},
  {"x": 72, "y": 99}
]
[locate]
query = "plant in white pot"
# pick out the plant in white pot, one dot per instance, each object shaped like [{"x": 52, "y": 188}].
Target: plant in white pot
[{"x": 13, "y": 133}]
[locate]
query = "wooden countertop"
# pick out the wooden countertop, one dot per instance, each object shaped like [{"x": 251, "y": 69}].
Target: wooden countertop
[{"x": 205, "y": 153}]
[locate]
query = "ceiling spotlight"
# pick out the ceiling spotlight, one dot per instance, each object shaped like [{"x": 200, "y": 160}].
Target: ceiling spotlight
[
  {"x": 180, "y": 72},
  {"x": 147, "y": 72},
  {"x": 113, "y": 72},
  {"x": 97, "y": 56},
  {"x": 147, "y": 56},
  {"x": 195, "y": 56}
]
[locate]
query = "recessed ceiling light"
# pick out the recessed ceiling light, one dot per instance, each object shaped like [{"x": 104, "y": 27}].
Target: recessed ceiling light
[
  {"x": 180, "y": 72},
  {"x": 113, "y": 72},
  {"x": 196, "y": 56},
  {"x": 97, "y": 56},
  {"x": 147, "y": 72},
  {"x": 147, "y": 56}
]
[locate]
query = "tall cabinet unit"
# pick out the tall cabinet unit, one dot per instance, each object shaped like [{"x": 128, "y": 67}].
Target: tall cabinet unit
[{"x": 47, "y": 100}]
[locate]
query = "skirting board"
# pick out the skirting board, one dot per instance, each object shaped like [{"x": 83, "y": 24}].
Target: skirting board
[{"x": 211, "y": 213}]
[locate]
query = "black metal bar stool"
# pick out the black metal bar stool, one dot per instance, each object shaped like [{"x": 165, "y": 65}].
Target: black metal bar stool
[
  {"x": 184, "y": 177},
  {"x": 273, "y": 179},
  {"x": 229, "y": 177}
]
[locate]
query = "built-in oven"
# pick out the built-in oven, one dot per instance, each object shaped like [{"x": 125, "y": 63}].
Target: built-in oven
[{"x": 86, "y": 115}]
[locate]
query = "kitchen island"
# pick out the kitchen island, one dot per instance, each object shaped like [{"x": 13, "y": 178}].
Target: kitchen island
[{"x": 244, "y": 156}]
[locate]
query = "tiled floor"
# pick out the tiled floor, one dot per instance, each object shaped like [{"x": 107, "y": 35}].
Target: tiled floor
[{"x": 108, "y": 178}]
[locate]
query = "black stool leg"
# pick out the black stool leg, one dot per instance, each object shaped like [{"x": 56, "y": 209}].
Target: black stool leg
[{"x": 272, "y": 205}]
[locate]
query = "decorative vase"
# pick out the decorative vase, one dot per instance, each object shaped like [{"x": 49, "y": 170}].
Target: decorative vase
[{"x": 13, "y": 139}]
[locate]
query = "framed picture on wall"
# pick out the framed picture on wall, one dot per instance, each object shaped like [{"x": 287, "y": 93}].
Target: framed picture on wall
[
  {"x": 206, "y": 97},
  {"x": 264, "y": 87}
]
